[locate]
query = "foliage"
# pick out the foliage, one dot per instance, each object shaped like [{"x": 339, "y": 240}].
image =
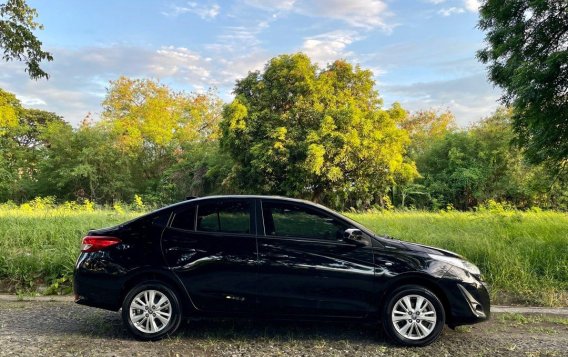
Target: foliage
[
  {"x": 297, "y": 131},
  {"x": 201, "y": 170},
  {"x": 81, "y": 163},
  {"x": 154, "y": 128},
  {"x": 466, "y": 168},
  {"x": 149, "y": 136},
  {"x": 146, "y": 114},
  {"x": 527, "y": 56},
  {"x": 17, "y": 39},
  {"x": 292, "y": 130},
  {"x": 426, "y": 126},
  {"x": 21, "y": 143}
]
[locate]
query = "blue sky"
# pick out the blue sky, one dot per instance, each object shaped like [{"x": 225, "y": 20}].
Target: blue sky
[{"x": 422, "y": 52}]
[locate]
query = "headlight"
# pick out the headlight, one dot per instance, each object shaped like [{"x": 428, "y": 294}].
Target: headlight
[{"x": 460, "y": 263}]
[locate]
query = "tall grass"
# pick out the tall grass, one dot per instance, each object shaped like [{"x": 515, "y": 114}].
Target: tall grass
[
  {"x": 523, "y": 255},
  {"x": 39, "y": 247}
]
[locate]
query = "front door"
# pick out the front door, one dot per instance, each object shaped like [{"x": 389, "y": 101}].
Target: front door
[
  {"x": 211, "y": 246},
  {"x": 306, "y": 268}
]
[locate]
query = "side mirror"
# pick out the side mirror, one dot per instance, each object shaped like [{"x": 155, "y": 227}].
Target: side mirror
[{"x": 355, "y": 236}]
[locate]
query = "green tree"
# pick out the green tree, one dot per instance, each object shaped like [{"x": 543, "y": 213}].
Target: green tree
[
  {"x": 320, "y": 134},
  {"x": 468, "y": 167},
  {"x": 21, "y": 145},
  {"x": 17, "y": 39},
  {"x": 201, "y": 170},
  {"x": 80, "y": 163},
  {"x": 154, "y": 126},
  {"x": 425, "y": 127},
  {"x": 527, "y": 56}
]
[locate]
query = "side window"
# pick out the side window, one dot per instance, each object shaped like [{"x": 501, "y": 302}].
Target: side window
[
  {"x": 185, "y": 219},
  {"x": 228, "y": 217},
  {"x": 290, "y": 220},
  {"x": 161, "y": 219}
]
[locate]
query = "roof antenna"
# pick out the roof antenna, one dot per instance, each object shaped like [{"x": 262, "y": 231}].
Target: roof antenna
[{"x": 191, "y": 197}]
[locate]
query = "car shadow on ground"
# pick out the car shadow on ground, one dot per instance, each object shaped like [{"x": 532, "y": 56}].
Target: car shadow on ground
[
  {"x": 96, "y": 323},
  {"x": 231, "y": 329}
]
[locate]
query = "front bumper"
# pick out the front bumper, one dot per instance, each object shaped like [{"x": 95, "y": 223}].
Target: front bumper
[{"x": 467, "y": 297}]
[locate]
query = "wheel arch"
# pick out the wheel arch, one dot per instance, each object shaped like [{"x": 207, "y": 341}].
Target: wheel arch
[
  {"x": 158, "y": 276},
  {"x": 418, "y": 279}
]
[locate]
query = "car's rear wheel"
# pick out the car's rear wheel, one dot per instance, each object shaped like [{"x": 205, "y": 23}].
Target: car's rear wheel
[
  {"x": 151, "y": 311},
  {"x": 414, "y": 316}
]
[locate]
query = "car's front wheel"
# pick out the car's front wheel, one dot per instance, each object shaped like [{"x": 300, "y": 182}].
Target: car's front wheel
[
  {"x": 414, "y": 316},
  {"x": 151, "y": 311}
]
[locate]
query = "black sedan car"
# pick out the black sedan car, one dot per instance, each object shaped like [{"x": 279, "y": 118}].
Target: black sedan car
[{"x": 259, "y": 256}]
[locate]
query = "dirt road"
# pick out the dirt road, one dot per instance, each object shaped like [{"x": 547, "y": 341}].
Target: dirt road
[{"x": 44, "y": 328}]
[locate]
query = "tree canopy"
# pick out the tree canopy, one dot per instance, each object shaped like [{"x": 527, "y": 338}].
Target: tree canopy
[
  {"x": 292, "y": 129},
  {"x": 321, "y": 134},
  {"x": 17, "y": 23},
  {"x": 21, "y": 142},
  {"x": 527, "y": 56}
]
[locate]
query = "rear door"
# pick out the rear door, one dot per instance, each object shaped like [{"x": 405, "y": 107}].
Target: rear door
[
  {"x": 211, "y": 246},
  {"x": 306, "y": 268}
]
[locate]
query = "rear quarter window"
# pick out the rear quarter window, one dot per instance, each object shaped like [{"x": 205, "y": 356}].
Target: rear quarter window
[{"x": 185, "y": 219}]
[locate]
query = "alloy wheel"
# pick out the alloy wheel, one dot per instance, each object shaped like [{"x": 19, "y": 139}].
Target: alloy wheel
[
  {"x": 414, "y": 317},
  {"x": 150, "y": 311}
]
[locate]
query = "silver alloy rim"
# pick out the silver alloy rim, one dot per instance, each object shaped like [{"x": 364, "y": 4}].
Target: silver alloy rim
[
  {"x": 414, "y": 317},
  {"x": 150, "y": 311}
]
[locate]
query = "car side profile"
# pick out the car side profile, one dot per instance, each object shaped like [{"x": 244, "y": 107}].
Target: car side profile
[{"x": 282, "y": 258}]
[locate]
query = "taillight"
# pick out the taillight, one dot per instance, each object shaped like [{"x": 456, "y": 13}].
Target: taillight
[{"x": 95, "y": 243}]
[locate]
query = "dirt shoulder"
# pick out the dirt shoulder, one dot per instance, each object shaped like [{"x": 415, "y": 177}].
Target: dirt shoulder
[{"x": 62, "y": 328}]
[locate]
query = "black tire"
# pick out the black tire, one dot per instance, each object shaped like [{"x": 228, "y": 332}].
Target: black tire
[
  {"x": 144, "y": 329},
  {"x": 406, "y": 330}
]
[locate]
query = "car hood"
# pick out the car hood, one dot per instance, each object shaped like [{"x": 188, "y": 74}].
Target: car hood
[
  {"x": 415, "y": 247},
  {"x": 430, "y": 250}
]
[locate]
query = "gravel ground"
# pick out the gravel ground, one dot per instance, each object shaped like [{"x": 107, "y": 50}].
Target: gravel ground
[{"x": 57, "y": 328}]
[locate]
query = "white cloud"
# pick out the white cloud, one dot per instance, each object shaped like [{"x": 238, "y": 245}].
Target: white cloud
[
  {"x": 172, "y": 61},
  {"x": 236, "y": 67},
  {"x": 328, "y": 47},
  {"x": 467, "y": 5},
  {"x": 450, "y": 11},
  {"x": 204, "y": 11},
  {"x": 272, "y": 4},
  {"x": 358, "y": 13},
  {"x": 31, "y": 101},
  {"x": 78, "y": 79},
  {"x": 239, "y": 40},
  {"x": 472, "y": 5},
  {"x": 470, "y": 98}
]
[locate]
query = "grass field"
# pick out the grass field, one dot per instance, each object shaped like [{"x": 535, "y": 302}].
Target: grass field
[{"x": 524, "y": 255}]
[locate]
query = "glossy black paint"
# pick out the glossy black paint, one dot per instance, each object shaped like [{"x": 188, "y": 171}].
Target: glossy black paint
[
  {"x": 253, "y": 274},
  {"x": 218, "y": 270}
]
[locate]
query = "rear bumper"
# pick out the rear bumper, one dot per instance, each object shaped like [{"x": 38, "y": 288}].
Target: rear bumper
[
  {"x": 94, "y": 288},
  {"x": 468, "y": 299}
]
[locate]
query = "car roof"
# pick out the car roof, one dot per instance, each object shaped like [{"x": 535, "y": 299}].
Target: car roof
[{"x": 265, "y": 197}]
